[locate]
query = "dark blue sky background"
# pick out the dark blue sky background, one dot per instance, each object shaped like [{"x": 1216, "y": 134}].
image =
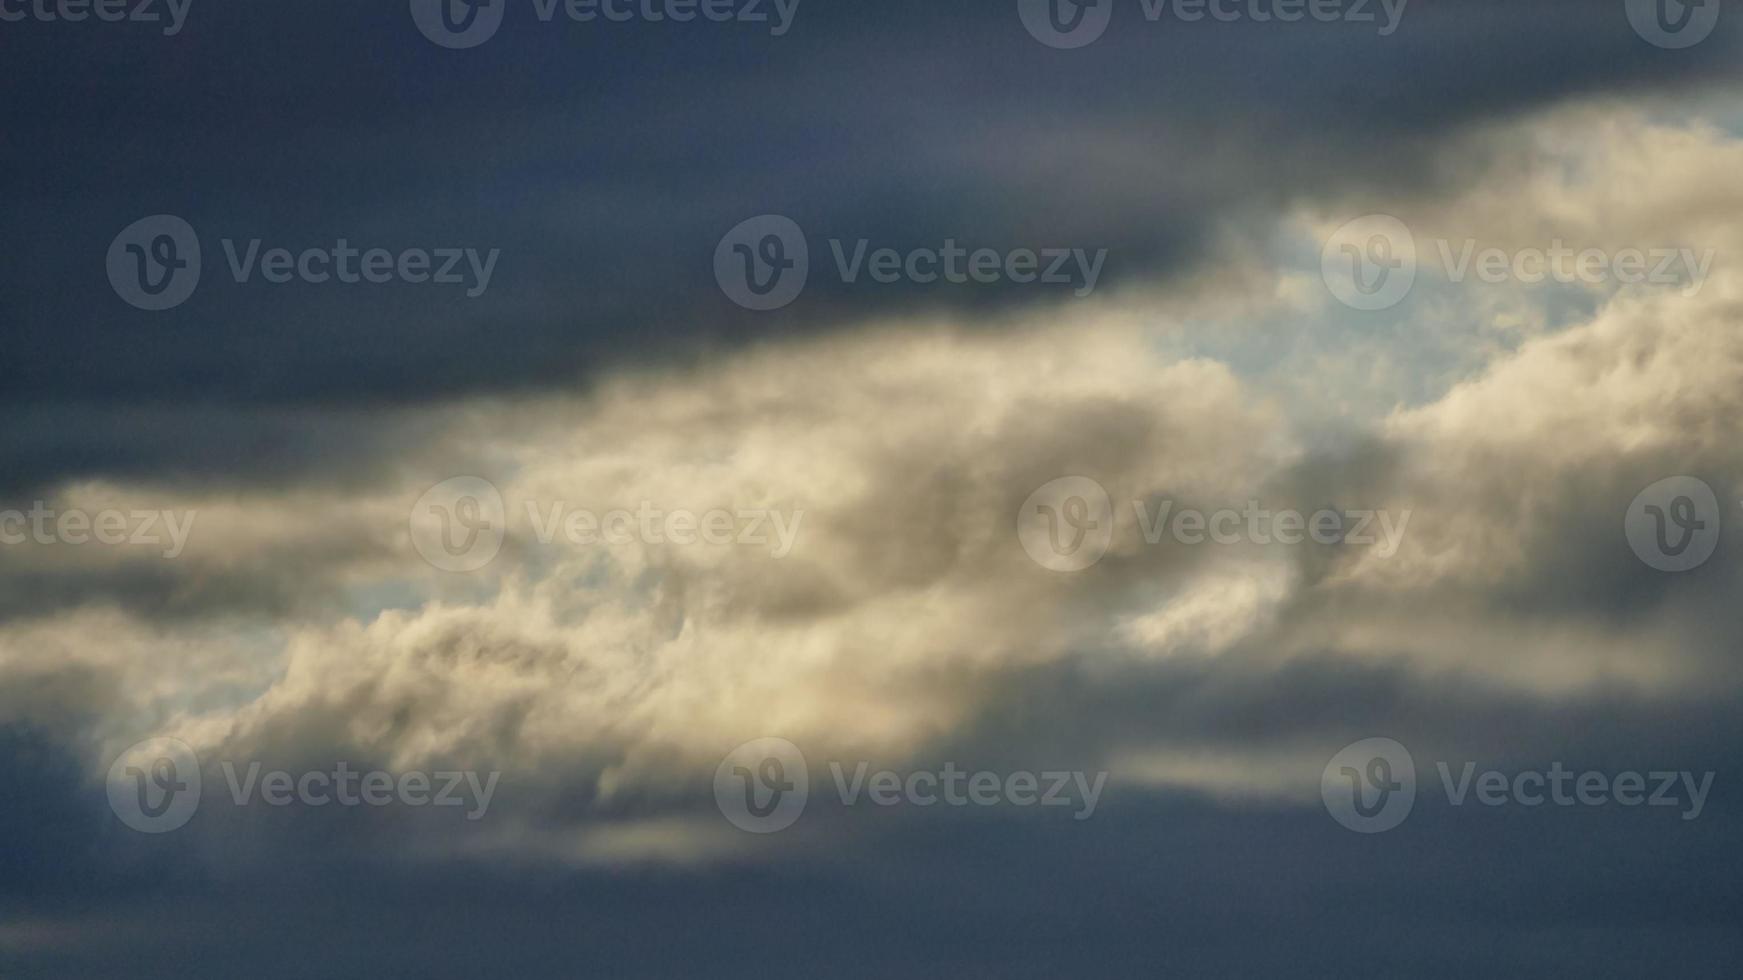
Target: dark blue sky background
[{"x": 606, "y": 162}]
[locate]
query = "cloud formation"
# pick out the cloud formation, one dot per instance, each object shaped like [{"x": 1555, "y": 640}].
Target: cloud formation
[{"x": 889, "y": 611}]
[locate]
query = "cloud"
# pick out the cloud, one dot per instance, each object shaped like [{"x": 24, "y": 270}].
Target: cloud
[
  {"x": 1150, "y": 148},
  {"x": 898, "y": 453},
  {"x": 907, "y": 626}
]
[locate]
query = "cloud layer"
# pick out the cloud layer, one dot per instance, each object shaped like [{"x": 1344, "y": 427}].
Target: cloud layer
[{"x": 885, "y": 609}]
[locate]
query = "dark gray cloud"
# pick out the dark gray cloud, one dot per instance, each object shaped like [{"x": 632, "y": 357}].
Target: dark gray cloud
[
  {"x": 606, "y": 161},
  {"x": 1157, "y": 878}
]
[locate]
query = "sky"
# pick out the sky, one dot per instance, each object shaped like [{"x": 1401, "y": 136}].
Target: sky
[{"x": 650, "y": 488}]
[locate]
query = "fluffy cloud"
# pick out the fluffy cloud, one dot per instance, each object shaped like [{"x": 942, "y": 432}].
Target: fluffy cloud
[{"x": 606, "y": 679}]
